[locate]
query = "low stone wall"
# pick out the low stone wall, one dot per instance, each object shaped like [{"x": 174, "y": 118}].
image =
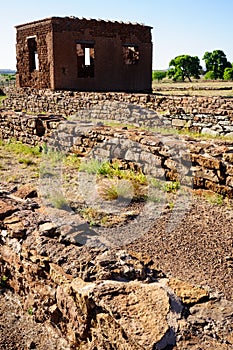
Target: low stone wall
[
  {"x": 212, "y": 115},
  {"x": 201, "y": 164},
  {"x": 208, "y": 163},
  {"x": 30, "y": 129}
]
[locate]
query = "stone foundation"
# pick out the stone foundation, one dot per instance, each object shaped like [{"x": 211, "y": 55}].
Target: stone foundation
[{"x": 208, "y": 115}]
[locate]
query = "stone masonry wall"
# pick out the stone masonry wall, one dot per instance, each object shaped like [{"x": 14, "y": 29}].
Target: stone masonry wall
[
  {"x": 28, "y": 129},
  {"x": 209, "y": 163},
  {"x": 40, "y": 79},
  {"x": 207, "y": 115}
]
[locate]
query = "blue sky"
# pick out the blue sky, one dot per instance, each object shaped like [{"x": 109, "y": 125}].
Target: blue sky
[{"x": 179, "y": 26}]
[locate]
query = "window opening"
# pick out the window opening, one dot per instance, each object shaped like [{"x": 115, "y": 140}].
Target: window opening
[
  {"x": 33, "y": 55},
  {"x": 36, "y": 61},
  {"x": 87, "y": 56},
  {"x": 85, "y": 59},
  {"x": 130, "y": 54}
]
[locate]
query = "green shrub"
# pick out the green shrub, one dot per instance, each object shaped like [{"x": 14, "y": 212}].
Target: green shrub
[
  {"x": 172, "y": 186},
  {"x": 228, "y": 74},
  {"x": 91, "y": 166},
  {"x": 158, "y": 75},
  {"x": 210, "y": 75},
  {"x": 111, "y": 189},
  {"x": 58, "y": 201}
]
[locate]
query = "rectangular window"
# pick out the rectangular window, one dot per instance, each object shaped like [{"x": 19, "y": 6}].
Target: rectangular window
[
  {"x": 85, "y": 59},
  {"x": 33, "y": 55},
  {"x": 130, "y": 54},
  {"x": 36, "y": 61}
]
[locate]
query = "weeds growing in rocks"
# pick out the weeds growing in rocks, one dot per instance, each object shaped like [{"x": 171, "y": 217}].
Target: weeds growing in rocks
[
  {"x": 1, "y": 99},
  {"x": 58, "y": 200},
  {"x": 111, "y": 189},
  {"x": 26, "y": 161},
  {"x": 3, "y": 281},
  {"x": 72, "y": 160},
  {"x": 112, "y": 170},
  {"x": 214, "y": 198},
  {"x": 30, "y": 311},
  {"x": 165, "y": 186}
]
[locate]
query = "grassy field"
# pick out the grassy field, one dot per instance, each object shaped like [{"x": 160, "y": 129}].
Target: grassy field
[{"x": 194, "y": 88}]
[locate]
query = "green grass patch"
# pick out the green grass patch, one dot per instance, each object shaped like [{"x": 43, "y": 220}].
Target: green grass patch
[
  {"x": 171, "y": 205},
  {"x": 172, "y": 186},
  {"x": 20, "y": 148},
  {"x": 112, "y": 170},
  {"x": 214, "y": 198},
  {"x": 26, "y": 161},
  {"x": 72, "y": 160},
  {"x": 1, "y": 99},
  {"x": 91, "y": 166},
  {"x": 165, "y": 186}
]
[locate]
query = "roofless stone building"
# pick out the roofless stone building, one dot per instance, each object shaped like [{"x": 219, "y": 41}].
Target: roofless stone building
[{"x": 84, "y": 55}]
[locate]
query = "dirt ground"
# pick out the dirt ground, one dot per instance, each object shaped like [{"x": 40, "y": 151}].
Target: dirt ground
[
  {"x": 194, "y": 88},
  {"x": 199, "y": 249},
  {"x": 19, "y": 331}
]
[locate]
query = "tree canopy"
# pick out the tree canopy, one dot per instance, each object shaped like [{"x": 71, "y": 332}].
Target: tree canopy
[
  {"x": 184, "y": 66},
  {"x": 228, "y": 73},
  {"x": 216, "y": 62}
]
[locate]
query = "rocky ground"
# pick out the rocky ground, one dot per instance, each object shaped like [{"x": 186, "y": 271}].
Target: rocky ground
[{"x": 169, "y": 288}]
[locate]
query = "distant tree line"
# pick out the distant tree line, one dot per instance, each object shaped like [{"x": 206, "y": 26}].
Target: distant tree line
[
  {"x": 186, "y": 67},
  {"x": 7, "y": 76}
]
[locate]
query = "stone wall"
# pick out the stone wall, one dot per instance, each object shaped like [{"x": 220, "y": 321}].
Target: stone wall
[
  {"x": 208, "y": 163},
  {"x": 209, "y": 115},
  {"x": 201, "y": 164},
  {"x": 28, "y": 76},
  {"x": 29, "y": 129}
]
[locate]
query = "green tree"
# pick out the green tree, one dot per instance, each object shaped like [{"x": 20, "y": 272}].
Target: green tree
[
  {"x": 158, "y": 75},
  {"x": 184, "y": 66},
  {"x": 216, "y": 62},
  {"x": 228, "y": 73},
  {"x": 210, "y": 75}
]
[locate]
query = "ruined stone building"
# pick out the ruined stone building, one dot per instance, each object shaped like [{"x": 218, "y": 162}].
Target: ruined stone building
[{"x": 85, "y": 55}]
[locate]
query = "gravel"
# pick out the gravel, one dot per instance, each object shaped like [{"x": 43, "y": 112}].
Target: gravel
[{"x": 199, "y": 249}]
